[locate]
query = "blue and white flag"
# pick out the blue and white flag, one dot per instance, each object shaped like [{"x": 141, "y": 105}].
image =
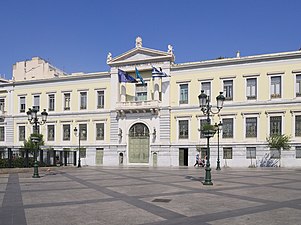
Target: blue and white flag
[
  {"x": 158, "y": 73},
  {"x": 124, "y": 77},
  {"x": 138, "y": 76}
]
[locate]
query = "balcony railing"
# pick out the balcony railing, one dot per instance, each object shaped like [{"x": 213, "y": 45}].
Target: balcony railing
[{"x": 138, "y": 106}]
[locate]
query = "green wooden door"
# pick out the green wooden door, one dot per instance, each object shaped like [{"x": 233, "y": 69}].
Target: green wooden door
[{"x": 139, "y": 144}]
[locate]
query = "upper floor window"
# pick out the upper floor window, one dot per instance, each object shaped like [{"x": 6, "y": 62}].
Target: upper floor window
[
  {"x": 228, "y": 89},
  {"x": 202, "y": 122},
  {"x": 183, "y": 94},
  {"x": 67, "y": 102},
  {"x": 251, "y": 127},
  {"x": 298, "y": 85},
  {"x": 2, "y": 104},
  {"x": 228, "y": 128},
  {"x": 183, "y": 129},
  {"x": 22, "y": 104},
  {"x": 36, "y": 102},
  {"x": 83, "y": 100},
  {"x": 275, "y": 125},
  {"x": 2, "y": 133},
  {"x": 51, "y": 102},
  {"x": 100, "y": 99},
  {"x": 206, "y": 86},
  {"x": 21, "y": 133},
  {"x": 50, "y": 132},
  {"x": 251, "y": 88},
  {"x": 66, "y": 132},
  {"x": 141, "y": 92},
  {"x": 83, "y": 131},
  {"x": 276, "y": 87},
  {"x": 298, "y": 126},
  {"x": 100, "y": 131}
]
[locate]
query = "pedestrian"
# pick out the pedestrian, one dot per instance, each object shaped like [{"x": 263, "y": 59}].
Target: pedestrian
[{"x": 197, "y": 160}]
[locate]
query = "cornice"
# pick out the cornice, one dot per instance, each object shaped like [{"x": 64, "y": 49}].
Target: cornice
[{"x": 238, "y": 60}]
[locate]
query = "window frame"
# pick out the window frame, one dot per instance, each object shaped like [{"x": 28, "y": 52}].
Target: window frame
[
  {"x": 66, "y": 102},
  {"x": 183, "y": 94},
  {"x": 51, "y": 102},
  {"x": 224, "y": 130},
  {"x": 249, "y": 151},
  {"x": 249, "y": 93},
  {"x": 227, "y": 153},
  {"x": 229, "y": 86},
  {"x": 83, "y": 100},
  {"x": 21, "y": 110},
  {"x": 19, "y": 133},
  {"x": 64, "y": 137},
  {"x": 183, "y": 136}
]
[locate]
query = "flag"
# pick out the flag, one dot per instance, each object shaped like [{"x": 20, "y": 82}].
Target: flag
[
  {"x": 158, "y": 73},
  {"x": 124, "y": 77},
  {"x": 138, "y": 76}
]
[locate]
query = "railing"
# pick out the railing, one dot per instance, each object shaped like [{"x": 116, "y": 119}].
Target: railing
[{"x": 138, "y": 104}]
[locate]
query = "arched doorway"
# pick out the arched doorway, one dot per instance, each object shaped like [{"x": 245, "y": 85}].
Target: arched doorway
[{"x": 139, "y": 143}]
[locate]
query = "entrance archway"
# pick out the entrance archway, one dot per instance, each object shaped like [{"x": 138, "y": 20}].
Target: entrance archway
[{"x": 139, "y": 143}]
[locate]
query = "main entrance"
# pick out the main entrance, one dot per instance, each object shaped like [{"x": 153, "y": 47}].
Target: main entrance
[{"x": 139, "y": 143}]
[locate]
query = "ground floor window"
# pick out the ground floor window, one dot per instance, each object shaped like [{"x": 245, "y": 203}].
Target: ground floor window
[
  {"x": 227, "y": 153},
  {"x": 251, "y": 152},
  {"x": 298, "y": 152}
]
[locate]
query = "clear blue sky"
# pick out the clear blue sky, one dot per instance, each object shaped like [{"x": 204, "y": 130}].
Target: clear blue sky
[{"x": 76, "y": 35}]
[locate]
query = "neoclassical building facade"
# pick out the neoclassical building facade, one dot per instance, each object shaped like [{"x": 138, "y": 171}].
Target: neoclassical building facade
[{"x": 157, "y": 121}]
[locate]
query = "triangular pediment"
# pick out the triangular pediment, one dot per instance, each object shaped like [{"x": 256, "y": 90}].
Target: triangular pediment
[{"x": 140, "y": 55}]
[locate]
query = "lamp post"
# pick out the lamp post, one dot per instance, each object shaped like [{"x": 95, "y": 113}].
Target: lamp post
[
  {"x": 78, "y": 133},
  {"x": 206, "y": 108},
  {"x": 33, "y": 119},
  {"x": 219, "y": 127}
]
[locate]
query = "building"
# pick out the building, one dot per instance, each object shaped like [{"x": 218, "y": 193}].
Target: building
[{"x": 157, "y": 123}]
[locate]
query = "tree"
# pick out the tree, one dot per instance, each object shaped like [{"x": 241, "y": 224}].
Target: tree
[
  {"x": 30, "y": 145},
  {"x": 279, "y": 141}
]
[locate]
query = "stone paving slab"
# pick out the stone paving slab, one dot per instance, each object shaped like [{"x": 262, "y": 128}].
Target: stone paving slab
[{"x": 150, "y": 196}]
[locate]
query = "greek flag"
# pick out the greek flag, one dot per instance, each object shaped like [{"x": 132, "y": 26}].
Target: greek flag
[{"x": 158, "y": 73}]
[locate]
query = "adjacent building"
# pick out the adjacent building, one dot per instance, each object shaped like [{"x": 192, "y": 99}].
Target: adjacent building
[{"x": 157, "y": 120}]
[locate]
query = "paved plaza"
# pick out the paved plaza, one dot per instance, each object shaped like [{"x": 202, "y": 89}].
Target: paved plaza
[{"x": 142, "y": 195}]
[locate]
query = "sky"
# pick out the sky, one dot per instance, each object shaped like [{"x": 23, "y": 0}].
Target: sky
[{"x": 77, "y": 35}]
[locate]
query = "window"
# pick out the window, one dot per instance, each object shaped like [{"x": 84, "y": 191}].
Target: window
[
  {"x": 2, "y": 104},
  {"x": 228, "y": 89},
  {"x": 51, "y": 102},
  {"x": 2, "y": 133},
  {"x": 183, "y": 94},
  {"x": 67, "y": 101},
  {"x": 297, "y": 126},
  {"x": 251, "y": 153},
  {"x": 141, "y": 92},
  {"x": 22, "y": 104},
  {"x": 100, "y": 99},
  {"x": 36, "y": 131},
  {"x": 50, "y": 132},
  {"x": 298, "y": 85},
  {"x": 227, "y": 153},
  {"x": 206, "y": 86},
  {"x": 202, "y": 122},
  {"x": 100, "y": 131},
  {"x": 83, "y": 131},
  {"x": 276, "y": 87},
  {"x": 251, "y": 88},
  {"x": 251, "y": 127},
  {"x": 83, "y": 152},
  {"x": 21, "y": 133},
  {"x": 66, "y": 132},
  {"x": 275, "y": 125},
  {"x": 183, "y": 129},
  {"x": 275, "y": 153},
  {"x": 83, "y": 100},
  {"x": 298, "y": 152},
  {"x": 228, "y": 128},
  {"x": 36, "y": 102}
]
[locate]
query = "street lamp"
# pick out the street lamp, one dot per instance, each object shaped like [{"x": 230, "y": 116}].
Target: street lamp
[
  {"x": 204, "y": 101},
  {"x": 79, "y": 133},
  {"x": 33, "y": 119},
  {"x": 218, "y": 127}
]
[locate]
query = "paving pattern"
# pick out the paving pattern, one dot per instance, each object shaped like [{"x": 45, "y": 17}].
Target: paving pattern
[{"x": 152, "y": 196}]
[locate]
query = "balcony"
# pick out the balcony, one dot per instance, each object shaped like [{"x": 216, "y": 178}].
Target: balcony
[{"x": 151, "y": 106}]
